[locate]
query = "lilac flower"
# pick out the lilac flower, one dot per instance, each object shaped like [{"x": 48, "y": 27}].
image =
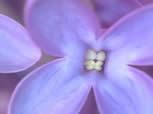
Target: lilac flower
[
  {"x": 88, "y": 60},
  {"x": 15, "y": 56},
  {"x": 17, "y": 51}
]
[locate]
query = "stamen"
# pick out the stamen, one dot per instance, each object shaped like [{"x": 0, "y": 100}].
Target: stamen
[
  {"x": 101, "y": 56},
  {"x": 95, "y": 61},
  {"x": 91, "y": 55},
  {"x": 90, "y": 64},
  {"x": 98, "y": 65}
]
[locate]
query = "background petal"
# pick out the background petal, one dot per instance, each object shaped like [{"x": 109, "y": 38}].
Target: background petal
[
  {"x": 59, "y": 26},
  {"x": 144, "y": 2},
  {"x": 17, "y": 51},
  {"x": 131, "y": 39},
  {"x": 110, "y": 11},
  {"x": 53, "y": 89},
  {"x": 125, "y": 92}
]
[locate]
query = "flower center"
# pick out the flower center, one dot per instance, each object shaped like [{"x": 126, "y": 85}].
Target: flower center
[{"x": 94, "y": 60}]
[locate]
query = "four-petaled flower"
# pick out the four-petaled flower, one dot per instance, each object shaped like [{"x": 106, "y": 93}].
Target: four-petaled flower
[{"x": 89, "y": 59}]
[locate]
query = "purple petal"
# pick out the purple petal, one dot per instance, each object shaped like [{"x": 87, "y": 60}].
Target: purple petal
[
  {"x": 146, "y": 1},
  {"x": 128, "y": 91},
  {"x": 55, "y": 88},
  {"x": 110, "y": 11},
  {"x": 131, "y": 39},
  {"x": 17, "y": 51},
  {"x": 60, "y": 27}
]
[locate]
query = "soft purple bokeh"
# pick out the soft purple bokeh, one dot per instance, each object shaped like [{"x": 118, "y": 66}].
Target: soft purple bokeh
[{"x": 8, "y": 83}]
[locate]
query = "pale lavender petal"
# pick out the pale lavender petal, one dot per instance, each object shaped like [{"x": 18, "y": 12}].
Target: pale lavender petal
[
  {"x": 17, "y": 51},
  {"x": 131, "y": 39},
  {"x": 55, "y": 88},
  {"x": 110, "y": 11},
  {"x": 128, "y": 91},
  {"x": 61, "y": 26}
]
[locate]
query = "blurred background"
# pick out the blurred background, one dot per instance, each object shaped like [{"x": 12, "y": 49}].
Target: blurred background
[{"x": 13, "y": 9}]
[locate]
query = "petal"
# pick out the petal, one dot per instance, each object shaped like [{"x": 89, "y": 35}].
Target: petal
[
  {"x": 52, "y": 89},
  {"x": 60, "y": 27},
  {"x": 145, "y": 2},
  {"x": 127, "y": 92},
  {"x": 131, "y": 38},
  {"x": 110, "y": 11},
  {"x": 17, "y": 51}
]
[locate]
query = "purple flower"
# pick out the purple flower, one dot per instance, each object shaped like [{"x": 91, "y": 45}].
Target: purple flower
[
  {"x": 88, "y": 60},
  {"x": 17, "y": 51}
]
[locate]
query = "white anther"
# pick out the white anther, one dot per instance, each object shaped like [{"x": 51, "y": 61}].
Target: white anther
[
  {"x": 90, "y": 64},
  {"x": 101, "y": 56},
  {"x": 98, "y": 65},
  {"x": 91, "y": 55}
]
